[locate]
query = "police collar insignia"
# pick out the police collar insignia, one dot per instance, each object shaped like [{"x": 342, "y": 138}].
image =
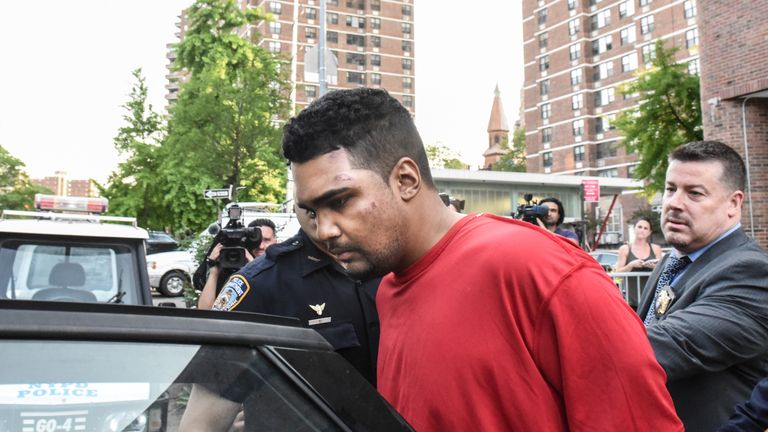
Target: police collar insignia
[{"x": 318, "y": 308}]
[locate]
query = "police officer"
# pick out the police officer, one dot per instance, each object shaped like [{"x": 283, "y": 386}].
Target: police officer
[{"x": 297, "y": 278}]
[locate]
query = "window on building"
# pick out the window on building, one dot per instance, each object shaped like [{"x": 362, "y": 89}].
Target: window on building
[
  {"x": 332, "y": 37},
  {"x": 578, "y": 153},
  {"x": 576, "y": 77},
  {"x": 541, "y": 16},
  {"x": 578, "y": 127},
  {"x": 571, "y": 4},
  {"x": 645, "y": 2},
  {"x": 631, "y": 171},
  {"x": 626, "y": 8},
  {"x": 604, "y": 97},
  {"x": 274, "y": 27},
  {"x": 376, "y": 41},
  {"x": 376, "y": 5},
  {"x": 356, "y": 77},
  {"x": 577, "y": 102},
  {"x": 546, "y": 135},
  {"x": 546, "y": 159},
  {"x": 689, "y": 6},
  {"x": 407, "y": 10},
  {"x": 375, "y": 60},
  {"x": 408, "y": 101},
  {"x": 603, "y": 70},
  {"x": 629, "y": 62},
  {"x": 310, "y": 32},
  {"x": 544, "y": 88},
  {"x": 311, "y": 13},
  {"x": 407, "y": 83},
  {"x": 407, "y": 64},
  {"x": 332, "y": 18},
  {"x": 406, "y": 27},
  {"x": 356, "y": 4},
  {"x": 544, "y": 63},
  {"x": 275, "y": 7},
  {"x": 274, "y": 46},
  {"x": 355, "y": 21},
  {"x": 693, "y": 67},
  {"x": 376, "y": 79},
  {"x": 376, "y": 23},
  {"x": 628, "y": 35},
  {"x": 649, "y": 53},
  {"x": 546, "y": 110},
  {"x": 407, "y": 46},
  {"x": 354, "y": 39},
  {"x": 543, "y": 40},
  {"x": 646, "y": 24},
  {"x": 333, "y": 2},
  {"x": 604, "y": 124},
  {"x": 692, "y": 38},
  {"x": 602, "y": 45},
  {"x": 601, "y": 19},
  {"x": 356, "y": 59},
  {"x": 310, "y": 91},
  {"x": 610, "y": 172},
  {"x": 575, "y": 51},
  {"x": 573, "y": 26},
  {"x": 606, "y": 149}
]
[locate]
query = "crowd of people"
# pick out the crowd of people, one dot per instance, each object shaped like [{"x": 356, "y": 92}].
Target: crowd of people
[{"x": 480, "y": 322}]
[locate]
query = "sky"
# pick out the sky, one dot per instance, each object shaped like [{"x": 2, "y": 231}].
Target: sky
[{"x": 66, "y": 72}]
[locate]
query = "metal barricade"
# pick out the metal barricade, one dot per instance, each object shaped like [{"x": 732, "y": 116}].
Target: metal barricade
[{"x": 630, "y": 285}]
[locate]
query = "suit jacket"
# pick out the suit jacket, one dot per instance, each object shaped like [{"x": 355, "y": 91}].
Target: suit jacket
[{"x": 713, "y": 339}]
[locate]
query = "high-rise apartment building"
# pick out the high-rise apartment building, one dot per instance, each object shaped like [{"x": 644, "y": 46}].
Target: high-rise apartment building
[
  {"x": 61, "y": 184},
  {"x": 372, "y": 42},
  {"x": 577, "y": 55}
]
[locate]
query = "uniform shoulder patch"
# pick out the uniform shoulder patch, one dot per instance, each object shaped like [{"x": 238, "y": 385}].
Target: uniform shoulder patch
[{"x": 232, "y": 293}]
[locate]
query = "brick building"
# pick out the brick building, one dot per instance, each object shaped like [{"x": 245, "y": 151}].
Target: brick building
[
  {"x": 734, "y": 93},
  {"x": 372, "y": 42},
  {"x": 577, "y": 54},
  {"x": 60, "y": 184}
]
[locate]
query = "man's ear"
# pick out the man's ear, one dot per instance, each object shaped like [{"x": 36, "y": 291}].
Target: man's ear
[
  {"x": 735, "y": 201},
  {"x": 406, "y": 178}
]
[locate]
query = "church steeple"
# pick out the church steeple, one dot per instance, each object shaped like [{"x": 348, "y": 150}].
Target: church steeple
[{"x": 498, "y": 131}]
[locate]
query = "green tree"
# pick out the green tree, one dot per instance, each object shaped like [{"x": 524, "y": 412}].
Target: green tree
[
  {"x": 668, "y": 115},
  {"x": 224, "y": 128},
  {"x": 133, "y": 189},
  {"x": 441, "y": 156},
  {"x": 514, "y": 159},
  {"x": 16, "y": 190}
]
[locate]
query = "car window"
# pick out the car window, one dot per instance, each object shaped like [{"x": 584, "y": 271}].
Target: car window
[{"x": 117, "y": 386}]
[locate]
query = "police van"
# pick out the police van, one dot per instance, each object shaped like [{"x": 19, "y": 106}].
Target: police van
[{"x": 68, "y": 251}]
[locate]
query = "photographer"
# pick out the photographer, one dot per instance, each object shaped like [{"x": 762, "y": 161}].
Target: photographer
[
  {"x": 555, "y": 218},
  {"x": 216, "y": 275}
]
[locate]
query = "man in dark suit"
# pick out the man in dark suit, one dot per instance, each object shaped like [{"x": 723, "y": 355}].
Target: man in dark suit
[{"x": 707, "y": 317}]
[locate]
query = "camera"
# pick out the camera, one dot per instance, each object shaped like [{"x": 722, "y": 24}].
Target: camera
[
  {"x": 235, "y": 239},
  {"x": 530, "y": 211}
]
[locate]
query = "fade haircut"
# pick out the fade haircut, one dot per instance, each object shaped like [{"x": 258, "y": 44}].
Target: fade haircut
[
  {"x": 260, "y": 222},
  {"x": 372, "y": 126},
  {"x": 734, "y": 172}
]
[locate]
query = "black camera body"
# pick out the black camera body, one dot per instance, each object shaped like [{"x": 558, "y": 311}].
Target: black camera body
[
  {"x": 235, "y": 239},
  {"x": 531, "y": 211}
]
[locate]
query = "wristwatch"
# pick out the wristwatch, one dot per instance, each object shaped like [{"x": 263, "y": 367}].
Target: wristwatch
[{"x": 210, "y": 262}]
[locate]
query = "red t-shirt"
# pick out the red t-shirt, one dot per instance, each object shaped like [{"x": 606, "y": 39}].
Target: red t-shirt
[{"x": 503, "y": 326}]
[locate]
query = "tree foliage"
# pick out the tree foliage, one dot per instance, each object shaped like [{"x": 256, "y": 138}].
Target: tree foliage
[
  {"x": 440, "y": 156},
  {"x": 224, "y": 126},
  {"x": 16, "y": 190},
  {"x": 668, "y": 115},
  {"x": 133, "y": 188},
  {"x": 514, "y": 159}
]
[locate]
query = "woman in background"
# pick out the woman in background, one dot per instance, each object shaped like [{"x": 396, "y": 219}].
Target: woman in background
[{"x": 638, "y": 256}]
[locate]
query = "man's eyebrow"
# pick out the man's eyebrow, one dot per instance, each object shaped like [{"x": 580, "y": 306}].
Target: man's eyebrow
[{"x": 322, "y": 199}]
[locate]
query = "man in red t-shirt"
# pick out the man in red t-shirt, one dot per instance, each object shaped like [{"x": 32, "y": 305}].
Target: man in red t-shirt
[{"x": 486, "y": 323}]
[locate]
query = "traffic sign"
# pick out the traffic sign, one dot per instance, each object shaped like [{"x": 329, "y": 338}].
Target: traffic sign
[{"x": 216, "y": 193}]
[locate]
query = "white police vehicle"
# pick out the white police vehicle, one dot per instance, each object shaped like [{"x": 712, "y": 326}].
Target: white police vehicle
[{"x": 66, "y": 251}]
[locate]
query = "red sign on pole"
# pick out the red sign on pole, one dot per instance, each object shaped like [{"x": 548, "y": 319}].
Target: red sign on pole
[{"x": 591, "y": 190}]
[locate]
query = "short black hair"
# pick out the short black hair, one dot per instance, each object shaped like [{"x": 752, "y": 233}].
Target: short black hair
[
  {"x": 263, "y": 222},
  {"x": 560, "y": 209},
  {"x": 734, "y": 172},
  {"x": 372, "y": 126}
]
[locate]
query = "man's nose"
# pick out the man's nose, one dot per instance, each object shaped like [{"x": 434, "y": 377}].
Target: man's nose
[{"x": 327, "y": 228}]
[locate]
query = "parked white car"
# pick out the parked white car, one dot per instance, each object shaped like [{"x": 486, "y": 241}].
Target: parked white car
[{"x": 169, "y": 271}]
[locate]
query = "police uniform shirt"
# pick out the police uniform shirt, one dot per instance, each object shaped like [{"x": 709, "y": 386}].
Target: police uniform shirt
[{"x": 296, "y": 279}]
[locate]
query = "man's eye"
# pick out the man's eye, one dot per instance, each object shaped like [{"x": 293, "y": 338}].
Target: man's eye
[
  {"x": 311, "y": 214},
  {"x": 338, "y": 203}
]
